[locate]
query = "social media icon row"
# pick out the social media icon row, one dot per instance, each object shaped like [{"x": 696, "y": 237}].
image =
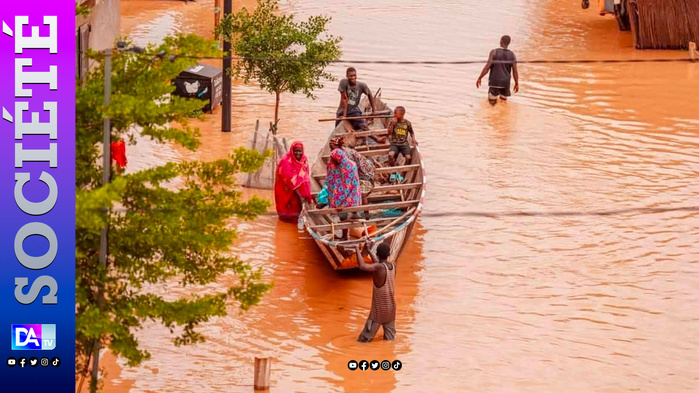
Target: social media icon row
[
  {"x": 33, "y": 362},
  {"x": 374, "y": 365}
]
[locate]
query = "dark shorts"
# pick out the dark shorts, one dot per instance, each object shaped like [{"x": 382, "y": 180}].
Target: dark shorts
[
  {"x": 495, "y": 92},
  {"x": 400, "y": 149},
  {"x": 356, "y": 124}
]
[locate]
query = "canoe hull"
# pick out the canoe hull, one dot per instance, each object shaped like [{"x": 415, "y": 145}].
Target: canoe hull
[{"x": 395, "y": 231}]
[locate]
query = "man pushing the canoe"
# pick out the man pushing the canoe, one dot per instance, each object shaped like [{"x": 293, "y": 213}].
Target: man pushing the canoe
[{"x": 383, "y": 298}]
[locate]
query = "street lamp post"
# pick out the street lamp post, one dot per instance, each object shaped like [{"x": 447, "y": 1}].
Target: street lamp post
[
  {"x": 106, "y": 169},
  {"x": 106, "y": 177},
  {"x": 226, "y": 105}
]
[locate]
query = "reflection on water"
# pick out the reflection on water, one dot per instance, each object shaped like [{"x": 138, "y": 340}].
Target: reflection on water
[{"x": 508, "y": 303}]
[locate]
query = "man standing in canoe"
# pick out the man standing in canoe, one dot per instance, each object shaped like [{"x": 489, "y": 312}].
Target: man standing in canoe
[
  {"x": 502, "y": 65},
  {"x": 292, "y": 184},
  {"x": 351, "y": 91},
  {"x": 383, "y": 298}
]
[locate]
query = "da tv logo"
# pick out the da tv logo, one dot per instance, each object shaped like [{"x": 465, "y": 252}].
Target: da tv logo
[{"x": 33, "y": 337}]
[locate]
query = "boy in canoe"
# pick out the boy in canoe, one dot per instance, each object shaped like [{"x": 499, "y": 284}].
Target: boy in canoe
[
  {"x": 398, "y": 130},
  {"x": 383, "y": 298}
]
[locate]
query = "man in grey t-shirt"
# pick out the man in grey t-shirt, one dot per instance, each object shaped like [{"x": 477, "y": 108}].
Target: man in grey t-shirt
[{"x": 351, "y": 92}]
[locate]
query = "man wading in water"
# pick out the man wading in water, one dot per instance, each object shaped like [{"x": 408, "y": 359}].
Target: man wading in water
[
  {"x": 383, "y": 299},
  {"x": 502, "y": 64}
]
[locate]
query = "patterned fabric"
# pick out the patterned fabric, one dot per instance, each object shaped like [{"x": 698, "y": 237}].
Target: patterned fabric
[
  {"x": 342, "y": 181},
  {"x": 292, "y": 175},
  {"x": 365, "y": 167},
  {"x": 366, "y": 187}
]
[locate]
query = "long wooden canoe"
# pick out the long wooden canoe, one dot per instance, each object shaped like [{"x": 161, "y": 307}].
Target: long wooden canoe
[{"x": 393, "y": 207}]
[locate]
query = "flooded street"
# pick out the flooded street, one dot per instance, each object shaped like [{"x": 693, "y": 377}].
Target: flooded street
[{"x": 500, "y": 303}]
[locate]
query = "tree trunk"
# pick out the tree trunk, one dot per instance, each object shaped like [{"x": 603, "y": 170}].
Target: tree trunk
[
  {"x": 276, "y": 109},
  {"x": 217, "y": 16}
]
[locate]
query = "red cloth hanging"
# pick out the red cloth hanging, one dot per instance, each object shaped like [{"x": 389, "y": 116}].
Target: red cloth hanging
[{"x": 119, "y": 153}]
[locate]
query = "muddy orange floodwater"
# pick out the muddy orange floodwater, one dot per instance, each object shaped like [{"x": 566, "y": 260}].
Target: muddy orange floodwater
[{"x": 487, "y": 303}]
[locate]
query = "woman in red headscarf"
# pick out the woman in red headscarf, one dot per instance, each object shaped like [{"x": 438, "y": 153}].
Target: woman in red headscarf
[{"x": 292, "y": 184}]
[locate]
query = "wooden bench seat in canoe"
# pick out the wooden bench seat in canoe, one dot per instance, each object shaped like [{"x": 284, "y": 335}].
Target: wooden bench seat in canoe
[
  {"x": 362, "y": 134},
  {"x": 385, "y": 169},
  {"x": 370, "y": 153},
  {"x": 392, "y": 187},
  {"x": 362, "y": 208}
]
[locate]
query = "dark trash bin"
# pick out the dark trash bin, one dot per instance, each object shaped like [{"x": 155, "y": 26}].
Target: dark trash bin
[{"x": 201, "y": 81}]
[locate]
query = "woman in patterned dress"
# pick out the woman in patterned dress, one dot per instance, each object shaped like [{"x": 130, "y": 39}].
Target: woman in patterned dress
[
  {"x": 342, "y": 183},
  {"x": 365, "y": 167}
]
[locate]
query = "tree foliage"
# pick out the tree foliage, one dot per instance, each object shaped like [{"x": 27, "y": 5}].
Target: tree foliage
[
  {"x": 168, "y": 224},
  {"x": 279, "y": 52},
  {"x": 82, "y": 10}
]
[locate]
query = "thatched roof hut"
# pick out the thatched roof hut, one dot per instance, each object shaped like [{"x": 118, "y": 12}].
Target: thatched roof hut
[{"x": 664, "y": 24}]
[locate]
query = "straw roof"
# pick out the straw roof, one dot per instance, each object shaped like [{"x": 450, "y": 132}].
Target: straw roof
[{"x": 665, "y": 24}]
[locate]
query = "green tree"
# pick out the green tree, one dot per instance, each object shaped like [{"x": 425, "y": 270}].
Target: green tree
[
  {"x": 280, "y": 53},
  {"x": 167, "y": 224}
]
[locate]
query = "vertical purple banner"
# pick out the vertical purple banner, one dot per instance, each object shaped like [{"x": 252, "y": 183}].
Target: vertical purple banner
[{"x": 37, "y": 196}]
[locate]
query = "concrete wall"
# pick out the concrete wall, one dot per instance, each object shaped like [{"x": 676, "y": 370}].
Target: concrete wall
[
  {"x": 104, "y": 21},
  {"x": 101, "y": 27}
]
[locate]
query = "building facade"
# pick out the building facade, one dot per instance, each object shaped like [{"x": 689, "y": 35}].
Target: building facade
[{"x": 97, "y": 31}]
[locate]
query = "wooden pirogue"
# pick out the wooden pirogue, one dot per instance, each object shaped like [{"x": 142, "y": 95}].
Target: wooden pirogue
[{"x": 393, "y": 206}]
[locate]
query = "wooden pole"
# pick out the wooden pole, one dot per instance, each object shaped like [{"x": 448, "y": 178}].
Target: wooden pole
[
  {"x": 217, "y": 15},
  {"x": 254, "y": 147},
  {"x": 263, "y": 369},
  {"x": 358, "y": 117},
  {"x": 693, "y": 55}
]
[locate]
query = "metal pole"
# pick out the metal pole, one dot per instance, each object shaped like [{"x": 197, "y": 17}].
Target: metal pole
[
  {"x": 226, "y": 105},
  {"x": 106, "y": 167}
]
